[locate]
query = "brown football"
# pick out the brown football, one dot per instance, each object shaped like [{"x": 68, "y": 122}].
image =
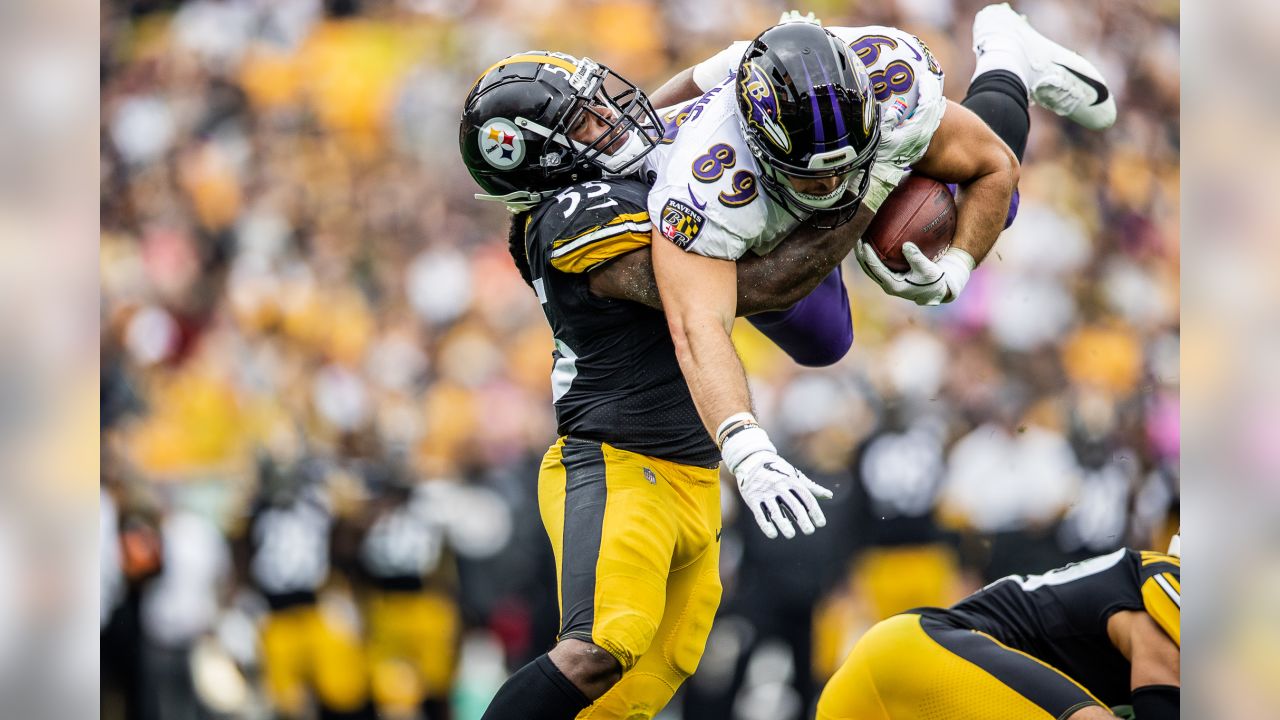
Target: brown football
[{"x": 920, "y": 210}]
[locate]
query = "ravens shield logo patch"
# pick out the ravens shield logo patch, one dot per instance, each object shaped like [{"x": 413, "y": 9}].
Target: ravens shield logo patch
[{"x": 681, "y": 223}]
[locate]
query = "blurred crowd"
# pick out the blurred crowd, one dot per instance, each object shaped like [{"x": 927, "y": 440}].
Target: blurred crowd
[{"x": 325, "y": 387}]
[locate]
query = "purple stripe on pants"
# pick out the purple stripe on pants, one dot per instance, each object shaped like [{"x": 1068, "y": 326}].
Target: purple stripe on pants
[{"x": 816, "y": 331}]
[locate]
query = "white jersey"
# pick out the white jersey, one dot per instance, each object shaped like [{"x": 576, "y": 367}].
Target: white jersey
[{"x": 706, "y": 192}]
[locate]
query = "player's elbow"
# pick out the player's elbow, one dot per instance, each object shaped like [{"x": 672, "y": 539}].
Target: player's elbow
[
  {"x": 1006, "y": 163},
  {"x": 678, "y": 327},
  {"x": 691, "y": 329},
  {"x": 684, "y": 325},
  {"x": 995, "y": 165}
]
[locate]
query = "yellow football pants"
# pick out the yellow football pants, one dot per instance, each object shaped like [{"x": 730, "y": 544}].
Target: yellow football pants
[
  {"x": 888, "y": 581},
  {"x": 912, "y": 667},
  {"x": 305, "y": 651},
  {"x": 897, "y": 579},
  {"x": 412, "y": 646},
  {"x": 636, "y": 542}
]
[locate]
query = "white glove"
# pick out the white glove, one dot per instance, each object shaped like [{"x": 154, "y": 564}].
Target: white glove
[
  {"x": 927, "y": 283},
  {"x": 767, "y": 482}
]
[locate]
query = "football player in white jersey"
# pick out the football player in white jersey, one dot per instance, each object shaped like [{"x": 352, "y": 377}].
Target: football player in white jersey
[
  {"x": 1014, "y": 62},
  {"x": 795, "y": 131},
  {"x": 805, "y": 119}
]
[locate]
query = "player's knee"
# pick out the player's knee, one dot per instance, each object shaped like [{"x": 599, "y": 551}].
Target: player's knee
[
  {"x": 1013, "y": 209},
  {"x": 831, "y": 348},
  {"x": 587, "y": 665}
]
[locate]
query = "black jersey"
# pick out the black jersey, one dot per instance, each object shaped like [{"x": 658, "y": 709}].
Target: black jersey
[
  {"x": 897, "y": 477},
  {"x": 289, "y": 547},
  {"x": 1060, "y": 617},
  {"x": 615, "y": 377},
  {"x": 403, "y": 549}
]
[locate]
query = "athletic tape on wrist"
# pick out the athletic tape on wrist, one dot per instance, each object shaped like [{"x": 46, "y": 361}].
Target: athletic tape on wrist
[
  {"x": 963, "y": 256},
  {"x": 735, "y": 430},
  {"x": 735, "y": 420},
  {"x": 744, "y": 444}
]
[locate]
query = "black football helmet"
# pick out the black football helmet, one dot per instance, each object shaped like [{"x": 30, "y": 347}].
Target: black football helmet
[
  {"x": 808, "y": 111},
  {"x": 518, "y": 120}
]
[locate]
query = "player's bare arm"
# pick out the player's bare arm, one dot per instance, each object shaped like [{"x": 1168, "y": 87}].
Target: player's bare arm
[
  {"x": 1155, "y": 661},
  {"x": 966, "y": 151},
  {"x": 764, "y": 282},
  {"x": 699, "y": 300},
  {"x": 1155, "y": 658},
  {"x": 699, "y": 297},
  {"x": 680, "y": 88}
]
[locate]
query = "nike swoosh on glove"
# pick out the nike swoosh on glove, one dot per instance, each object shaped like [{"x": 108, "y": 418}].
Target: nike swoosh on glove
[
  {"x": 927, "y": 282},
  {"x": 768, "y": 484}
]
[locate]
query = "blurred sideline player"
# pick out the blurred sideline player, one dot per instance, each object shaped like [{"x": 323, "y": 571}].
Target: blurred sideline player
[
  {"x": 903, "y": 557},
  {"x": 796, "y": 125},
  {"x": 308, "y": 651},
  {"x": 1065, "y": 645},
  {"x": 629, "y": 494},
  {"x": 408, "y": 594}
]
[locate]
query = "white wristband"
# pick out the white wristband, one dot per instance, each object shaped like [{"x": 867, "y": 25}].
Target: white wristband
[
  {"x": 963, "y": 256},
  {"x": 742, "y": 418},
  {"x": 743, "y": 444},
  {"x": 956, "y": 266}
]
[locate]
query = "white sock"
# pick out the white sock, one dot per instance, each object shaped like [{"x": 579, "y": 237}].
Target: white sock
[{"x": 999, "y": 56}]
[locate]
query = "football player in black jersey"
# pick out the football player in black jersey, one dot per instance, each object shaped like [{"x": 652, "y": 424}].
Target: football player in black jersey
[
  {"x": 408, "y": 593},
  {"x": 1066, "y": 645},
  {"x": 285, "y": 554},
  {"x": 629, "y": 494}
]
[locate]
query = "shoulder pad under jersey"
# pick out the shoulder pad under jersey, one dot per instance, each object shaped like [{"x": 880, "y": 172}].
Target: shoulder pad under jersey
[
  {"x": 706, "y": 196},
  {"x": 590, "y": 223}
]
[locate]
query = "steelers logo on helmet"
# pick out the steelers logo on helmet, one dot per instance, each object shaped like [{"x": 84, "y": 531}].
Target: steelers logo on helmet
[{"x": 501, "y": 144}]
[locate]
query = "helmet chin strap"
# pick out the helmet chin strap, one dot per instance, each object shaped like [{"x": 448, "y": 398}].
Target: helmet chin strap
[
  {"x": 622, "y": 161},
  {"x": 516, "y": 202}
]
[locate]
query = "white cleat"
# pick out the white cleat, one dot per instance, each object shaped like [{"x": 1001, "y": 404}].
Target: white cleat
[{"x": 1059, "y": 80}]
